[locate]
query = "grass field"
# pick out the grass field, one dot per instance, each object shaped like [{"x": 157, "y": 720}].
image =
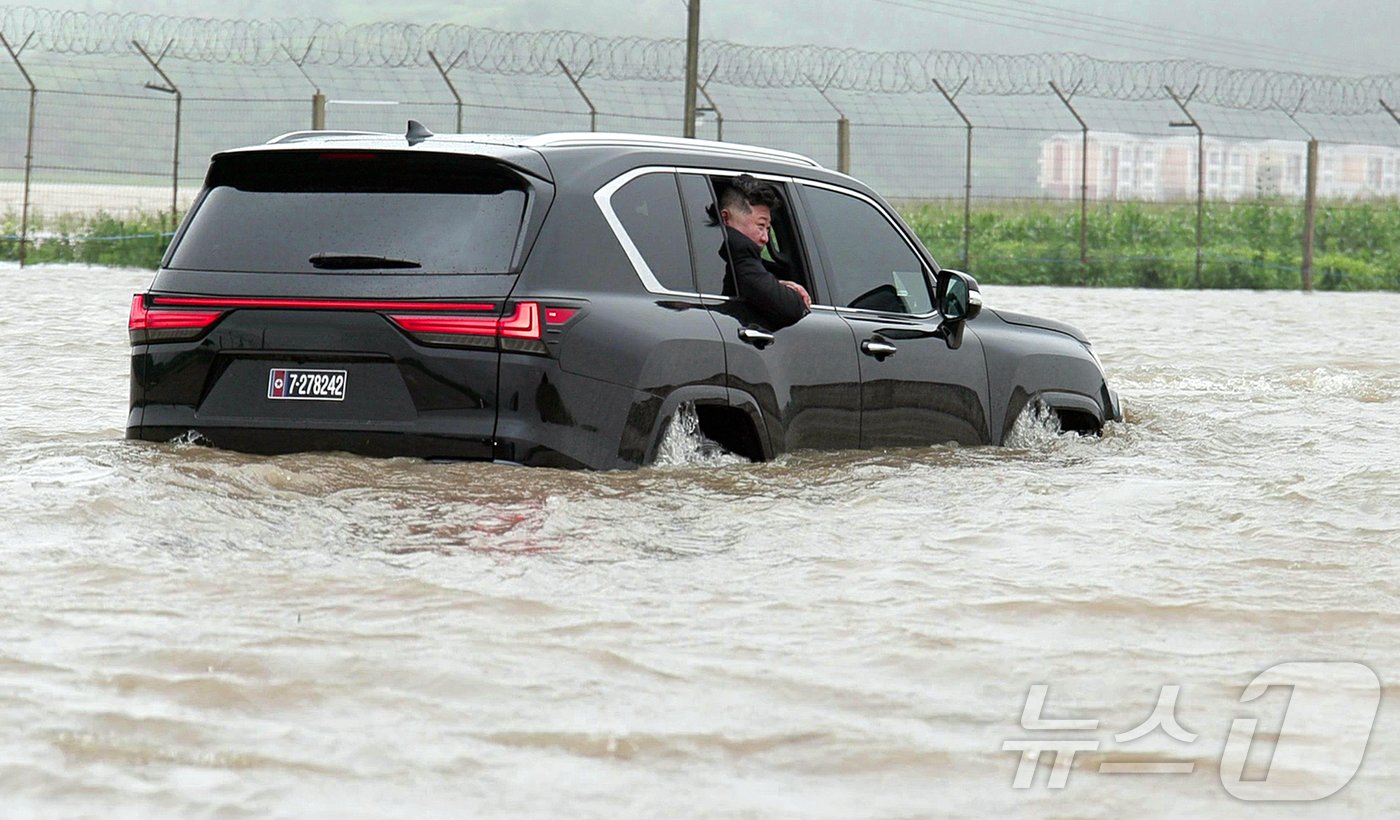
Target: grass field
[{"x": 1256, "y": 244}]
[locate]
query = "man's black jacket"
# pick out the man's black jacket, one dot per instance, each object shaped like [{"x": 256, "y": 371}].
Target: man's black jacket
[{"x": 777, "y": 304}]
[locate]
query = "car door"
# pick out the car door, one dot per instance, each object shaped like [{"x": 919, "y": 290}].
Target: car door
[
  {"x": 914, "y": 389},
  {"x": 804, "y": 377}
]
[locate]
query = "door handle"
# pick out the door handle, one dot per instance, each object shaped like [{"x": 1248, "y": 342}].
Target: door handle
[
  {"x": 878, "y": 349},
  {"x": 757, "y": 338}
]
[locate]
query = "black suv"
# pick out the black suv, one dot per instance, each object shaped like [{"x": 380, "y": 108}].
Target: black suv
[{"x": 556, "y": 300}]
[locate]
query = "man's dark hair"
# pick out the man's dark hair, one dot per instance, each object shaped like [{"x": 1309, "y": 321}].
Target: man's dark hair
[{"x": 744, "y": 192}]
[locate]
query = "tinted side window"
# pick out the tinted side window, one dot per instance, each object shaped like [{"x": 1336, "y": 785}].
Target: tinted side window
[
  {"x": 649, "y": 208},
  {"x": 706, "y": 232},
  {"x": 872, "y": 266}
]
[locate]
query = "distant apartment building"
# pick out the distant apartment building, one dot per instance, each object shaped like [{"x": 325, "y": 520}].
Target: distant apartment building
[{"x": 1156, "y": 169}]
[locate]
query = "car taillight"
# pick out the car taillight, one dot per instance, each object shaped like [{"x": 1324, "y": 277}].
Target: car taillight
[
  {"x": 522, "y": 331},
  {"x": 147, "y": 325},
  {"x": 558, "y": 315},
  {"x": 523, "y": 326}
]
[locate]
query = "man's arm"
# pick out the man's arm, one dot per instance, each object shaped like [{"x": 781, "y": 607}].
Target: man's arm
[{"x": 779, "y": 304}]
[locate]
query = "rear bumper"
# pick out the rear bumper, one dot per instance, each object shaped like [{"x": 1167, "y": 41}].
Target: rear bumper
[
  {"x": 546, "y": 417},
  {"x": 277, "y": 441}
]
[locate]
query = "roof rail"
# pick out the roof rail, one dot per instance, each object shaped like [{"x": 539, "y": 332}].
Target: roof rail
[
  {"x": 304, "y": 136},
  {"x": 734, "y": 149}
]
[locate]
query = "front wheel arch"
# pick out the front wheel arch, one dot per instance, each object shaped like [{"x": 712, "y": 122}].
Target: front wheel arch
[{"x": 1077, "y": 413}]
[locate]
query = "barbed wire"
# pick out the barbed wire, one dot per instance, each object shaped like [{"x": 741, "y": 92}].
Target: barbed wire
[{"x": 403, "y": 45}]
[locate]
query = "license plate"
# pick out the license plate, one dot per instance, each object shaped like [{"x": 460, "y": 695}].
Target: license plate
[{"x": 306, "y": 385}]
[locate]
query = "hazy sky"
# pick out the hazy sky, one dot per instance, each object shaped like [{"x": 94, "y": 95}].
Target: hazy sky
[{"x": 1341, "y": 37}]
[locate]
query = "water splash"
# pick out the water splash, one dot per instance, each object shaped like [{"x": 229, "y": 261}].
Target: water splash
[
  {"x": 190, "y": 438},
  {"x": 1371, "y": 387},
  {"x": 684, "y": 445},
  {"x": 1037, "y": 427}
]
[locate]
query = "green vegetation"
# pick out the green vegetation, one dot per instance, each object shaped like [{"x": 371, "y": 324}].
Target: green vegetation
[
  {"x": 1255, "y": 245},
  {"x": 130, "y": 242},
  {"x": 1247, "y": 245}
]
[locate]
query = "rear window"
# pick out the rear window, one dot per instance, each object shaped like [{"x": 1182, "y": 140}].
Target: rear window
[{"x": 295, "y": 211}]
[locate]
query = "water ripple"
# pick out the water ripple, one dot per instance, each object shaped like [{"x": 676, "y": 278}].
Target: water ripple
[{"x": 191, "y": 631}]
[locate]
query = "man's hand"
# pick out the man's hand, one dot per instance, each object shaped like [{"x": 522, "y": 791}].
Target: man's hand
[{"x": 801, "y": 291}]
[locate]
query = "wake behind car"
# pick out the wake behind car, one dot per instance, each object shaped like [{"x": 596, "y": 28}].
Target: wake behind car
[{"x": 557, "y": 299}]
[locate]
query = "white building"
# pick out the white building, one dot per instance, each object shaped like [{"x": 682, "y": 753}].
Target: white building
[{"x": 1154, "y": 169}]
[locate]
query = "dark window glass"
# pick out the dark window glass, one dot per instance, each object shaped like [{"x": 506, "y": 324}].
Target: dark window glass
[
  {"x": 650, "y": 210},
  {"x": 872, "y": 266},
  {"x": 706, "y": 233},
  {"x": 783, "y": 256},
  {"x": 275, "y": 213}
]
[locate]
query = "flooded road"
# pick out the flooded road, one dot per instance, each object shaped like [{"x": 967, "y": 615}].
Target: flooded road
[{"x": 189, "y": 632}]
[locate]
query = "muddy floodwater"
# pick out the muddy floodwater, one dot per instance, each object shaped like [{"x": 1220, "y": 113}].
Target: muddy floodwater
[{"x": 186, "y": 632}]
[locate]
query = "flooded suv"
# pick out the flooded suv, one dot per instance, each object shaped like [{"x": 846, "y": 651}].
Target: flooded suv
[{"x": 557, "y": 300}]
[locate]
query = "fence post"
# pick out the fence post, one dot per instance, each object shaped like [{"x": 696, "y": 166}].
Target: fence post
[
  {"x": 704, "y": 89},
  {"x": 1083, "y": 172},
  {"x": 28, "y": 144},
  {"x": 318, "y": 100},
  {"x": 843, "y": 128},
  {"x": 1391, "y": 111},
  {"x": 168, "y": 88},
  {"x": 578, "y": 86},
  {"x": 1310, "y": 200},
  {"x": 1310, "y": 217},
  {"x": 1192, "y": 122},
  {"x": 450, "y": 86},
  {"x": 952, "y": 99},
  {"x": 692, "y": 66},
  {"x": 843, "y": 145}
]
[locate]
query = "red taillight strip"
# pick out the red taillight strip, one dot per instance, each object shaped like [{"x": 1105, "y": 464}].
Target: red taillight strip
[
  {"x": 524, "y": 323},
  {"x": 143, "y": 319},
  {"x": 167, "y": 319},
  {"x": 230, "y": 303},
  {"x": 145, "y": 325},
  {"x": 159, "y": 322},
  {"x": 460, "y": 325}
]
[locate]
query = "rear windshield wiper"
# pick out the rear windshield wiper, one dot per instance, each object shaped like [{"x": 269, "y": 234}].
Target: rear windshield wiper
[{"x": 356, "y": 261}]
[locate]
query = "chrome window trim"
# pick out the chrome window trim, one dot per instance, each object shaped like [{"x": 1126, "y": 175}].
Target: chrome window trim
[
  {"x": 603, "y": 197},
  {"x": 730, "y": 172},
  {"x": 863, "y": 313},
  {"x": 814, "y": 308},
  {"x": 726, "y": 149}
]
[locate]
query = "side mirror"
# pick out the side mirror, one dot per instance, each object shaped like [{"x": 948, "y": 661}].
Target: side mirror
[{"x": 958, "y": 299}]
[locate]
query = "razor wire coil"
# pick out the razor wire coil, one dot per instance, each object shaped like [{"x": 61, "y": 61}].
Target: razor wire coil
[{"x": 407, "y": 45}]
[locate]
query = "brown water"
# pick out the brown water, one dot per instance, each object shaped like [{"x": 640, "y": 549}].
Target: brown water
[{"x": 188, "y": 632}]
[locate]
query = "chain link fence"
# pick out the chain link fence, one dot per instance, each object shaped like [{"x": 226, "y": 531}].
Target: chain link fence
[{"x": 1048, "y": 169}]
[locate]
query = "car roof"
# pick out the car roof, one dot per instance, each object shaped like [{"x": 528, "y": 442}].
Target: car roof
[
  {"x": 685, "y": 144},
  {"x": 565, "y": 139},
  {"x": 512, "y": 147}
]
